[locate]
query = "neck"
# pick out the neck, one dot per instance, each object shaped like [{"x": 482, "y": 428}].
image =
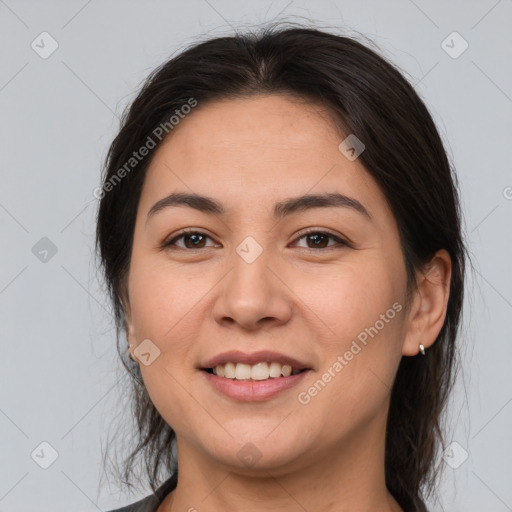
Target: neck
[{"x": 348, "y": 477}]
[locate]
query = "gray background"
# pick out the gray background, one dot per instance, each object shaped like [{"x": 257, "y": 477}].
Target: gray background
[{"x": 61, "y": 382}]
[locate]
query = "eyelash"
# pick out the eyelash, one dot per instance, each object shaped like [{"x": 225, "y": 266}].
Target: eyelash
[{"x": 341, "y": 243}]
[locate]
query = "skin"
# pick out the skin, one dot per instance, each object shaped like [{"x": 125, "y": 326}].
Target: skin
[{"x": 295, "y": 298}]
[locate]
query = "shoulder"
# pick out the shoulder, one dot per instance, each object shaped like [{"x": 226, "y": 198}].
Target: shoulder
[
  {"x": 147, "y": 504},
  {"x": 150, "y": 503}
]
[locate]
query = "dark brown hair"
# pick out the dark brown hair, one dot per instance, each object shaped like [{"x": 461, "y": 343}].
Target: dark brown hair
[{"x": 366, "y": 96}]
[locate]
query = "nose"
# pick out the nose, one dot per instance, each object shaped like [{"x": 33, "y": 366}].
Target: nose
[{"x": 253, "y": 294}]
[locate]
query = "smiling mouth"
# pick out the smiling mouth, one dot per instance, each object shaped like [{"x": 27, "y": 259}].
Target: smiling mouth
[{"x": 257, "y": 372}]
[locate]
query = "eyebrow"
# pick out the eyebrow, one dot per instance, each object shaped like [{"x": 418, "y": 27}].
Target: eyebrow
[{"x": 281, "y": 209}]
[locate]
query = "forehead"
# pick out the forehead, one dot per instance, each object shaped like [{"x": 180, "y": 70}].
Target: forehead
[
  {"x": 268, "y": 126},
  {"x": 251, "y": 151}
]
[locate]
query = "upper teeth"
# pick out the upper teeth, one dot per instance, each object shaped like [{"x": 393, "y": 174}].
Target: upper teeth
[{"x": 260, "y": 371}]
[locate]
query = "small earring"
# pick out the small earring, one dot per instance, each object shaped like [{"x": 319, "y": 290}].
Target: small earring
[
  {"x": 422, "y": 349},
  {"x": 131, "y": 355}
]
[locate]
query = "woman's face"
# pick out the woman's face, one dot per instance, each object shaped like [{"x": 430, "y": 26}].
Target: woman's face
[{"x": 251, "y": 283}]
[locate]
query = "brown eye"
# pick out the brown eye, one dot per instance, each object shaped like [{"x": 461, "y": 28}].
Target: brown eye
[
  {"x": 191, "y": 240},
  {"x": 197, "y": 240},
  {"x": 320, "y": 240}
]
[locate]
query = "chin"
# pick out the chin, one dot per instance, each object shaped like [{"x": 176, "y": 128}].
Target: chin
[{"x": 258, "y": 452}]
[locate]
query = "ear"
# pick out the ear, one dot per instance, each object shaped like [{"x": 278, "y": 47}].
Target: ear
[
  {"x": 129, "y": 330},
  {"x": 430, "y": 300}
]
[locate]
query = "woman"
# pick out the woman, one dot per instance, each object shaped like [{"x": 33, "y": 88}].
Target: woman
[{"x": 279, "y": 228}]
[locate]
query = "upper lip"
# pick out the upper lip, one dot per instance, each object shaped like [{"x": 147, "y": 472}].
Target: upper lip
[{"x": 236, "y": 356}]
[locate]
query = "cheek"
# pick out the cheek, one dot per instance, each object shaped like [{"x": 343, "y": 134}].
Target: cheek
[
  {"x": 163, "y": 311},
  {"x": 350, "y": 297},
  {"x": 361, "y": 313},
  {"x": 161, "y": 300},
  {"x": 164, "y": 308}
]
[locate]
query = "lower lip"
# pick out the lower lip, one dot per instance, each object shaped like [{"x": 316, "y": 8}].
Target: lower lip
[{"x": 254, "y": 390}]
